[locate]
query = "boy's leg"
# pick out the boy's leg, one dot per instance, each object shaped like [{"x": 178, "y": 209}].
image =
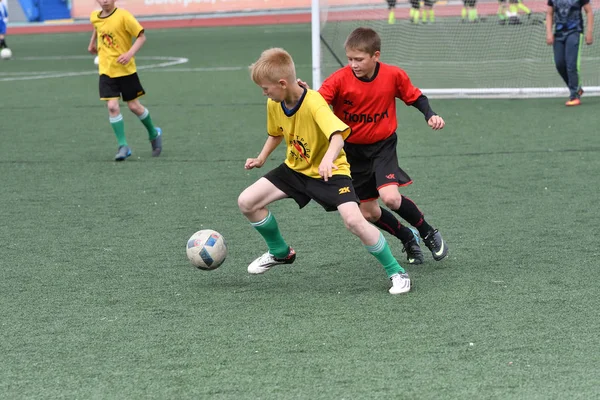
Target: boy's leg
[
  {"x": 118, "y": 126},
  {"x": 154, "y": 133},
  {"x": 144, "y": 115},
  {"x": 409, "y": 211},
  {"x": 414, "y": 11},
  {"x": 501, "y": 10},
  {"x": 560, "y": 60},
  {"x": 375, "y": 243},
  {"x": 391, "y": 15},
  {"x": 252, "y": 203},
  {"x": 523, "y": 8},
  {"x": 132, "y": 90},
  {"x": 572, "y": 59},
  {"x": 385, "y": 220},
  {"x": 110, "y": 91}
]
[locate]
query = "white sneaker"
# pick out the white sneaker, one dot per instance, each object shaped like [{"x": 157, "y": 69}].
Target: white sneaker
[
  {"x": 265, "y": 262},
  {"x": 400, "y": 283}
]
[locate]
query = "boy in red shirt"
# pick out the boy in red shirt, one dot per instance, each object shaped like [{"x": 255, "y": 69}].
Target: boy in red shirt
[{"x": 363, "y": 95}]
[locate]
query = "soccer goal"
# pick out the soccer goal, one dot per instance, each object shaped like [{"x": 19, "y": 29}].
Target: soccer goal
[{"x": 490, "y": 55}]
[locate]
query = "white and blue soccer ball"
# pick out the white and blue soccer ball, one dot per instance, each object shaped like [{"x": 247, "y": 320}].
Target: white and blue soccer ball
[
  {"x": 5, "y": 53},
  {"x": 206, "y": 249}
]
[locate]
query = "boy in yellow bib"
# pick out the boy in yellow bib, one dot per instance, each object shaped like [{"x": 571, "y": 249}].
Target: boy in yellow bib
[
  {"x": 113, "y": 40},
  {"x": 315, "y": 168}
]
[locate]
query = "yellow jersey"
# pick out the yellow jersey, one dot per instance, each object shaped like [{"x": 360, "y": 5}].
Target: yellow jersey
[
  {"x": 307, "y": 129},
  {"x": 115, "y": 34}
]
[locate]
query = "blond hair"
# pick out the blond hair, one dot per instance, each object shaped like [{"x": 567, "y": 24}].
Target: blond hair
[
  {"x": 363, "y": 39},
  {"x": 274, "y": 64}
]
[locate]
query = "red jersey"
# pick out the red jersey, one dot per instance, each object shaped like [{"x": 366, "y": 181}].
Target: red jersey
[{"x": 369, "y": 108}]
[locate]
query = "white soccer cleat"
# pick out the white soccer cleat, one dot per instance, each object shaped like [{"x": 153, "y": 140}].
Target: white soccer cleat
[
  {"x": 265, "y": 262},
  {"x": 400, "y": 283}
]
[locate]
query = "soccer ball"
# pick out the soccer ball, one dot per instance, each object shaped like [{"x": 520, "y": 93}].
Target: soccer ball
[
  {"x": 96, "y": 60},
  {"x": 5, "y": 54},
  {"x": 206, "y": 249}
]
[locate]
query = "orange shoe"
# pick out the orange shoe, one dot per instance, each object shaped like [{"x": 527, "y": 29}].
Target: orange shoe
[{"x": 573, "y": 102}]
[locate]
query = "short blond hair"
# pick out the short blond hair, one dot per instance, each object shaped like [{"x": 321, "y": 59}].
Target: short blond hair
[{"x": 274, "y": 64}]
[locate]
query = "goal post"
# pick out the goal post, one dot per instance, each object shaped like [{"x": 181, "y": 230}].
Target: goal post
[{"x": 493, "y": 55}]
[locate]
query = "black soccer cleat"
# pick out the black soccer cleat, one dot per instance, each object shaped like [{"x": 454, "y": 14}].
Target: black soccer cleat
[
  {"x": 436, "y": 245},
  {"x": 414, "y": 255}
]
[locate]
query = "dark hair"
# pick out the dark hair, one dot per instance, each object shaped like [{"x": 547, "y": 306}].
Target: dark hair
[{"x": 363, "y": 39}]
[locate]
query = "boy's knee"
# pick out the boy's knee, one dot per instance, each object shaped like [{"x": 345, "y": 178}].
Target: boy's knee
[
  {"x": 135, "y": 107},
  {"x": 113, "y": 107},
  {"x": 245, "y": 203},
  {"x": 370, "y": 215},
  {"x": 354, "y": 222},
  {"x": 392, "y": 201}
]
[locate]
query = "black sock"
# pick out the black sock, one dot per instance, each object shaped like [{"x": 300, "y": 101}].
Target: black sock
[
  {"x": 410, "y": 213},
  {"x": 390, "y": 224},
  {"x": 3, "y": 44}
]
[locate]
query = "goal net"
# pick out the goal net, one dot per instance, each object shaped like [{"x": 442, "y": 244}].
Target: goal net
[{"x": 490, "y": 55}]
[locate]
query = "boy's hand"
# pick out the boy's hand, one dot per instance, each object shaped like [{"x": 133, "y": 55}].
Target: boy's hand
[
  {"x": 326, "y": 169},
  {"x": 549, "y": 39},
  {"x": 302, "y": 83},
  {"x": 124, "y": 58},
  {"x": 92, "y": 49},
  {"x": 436, "y": 122},
  {"x": 589, "y": 38},
  {"x": 253, "y": 163}
]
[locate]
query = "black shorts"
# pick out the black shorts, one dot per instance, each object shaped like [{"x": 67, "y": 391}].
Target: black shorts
[
  {"x": 469, "y": 3},
  {"x": 129, "y": 87},
  {"x": 374, "y": 166},
  {"x": 415, "y": 4},
  {"x": 428, "y": 3},
  {"x": 337, "y": 190},
  {"x": 391, "y": 3}
]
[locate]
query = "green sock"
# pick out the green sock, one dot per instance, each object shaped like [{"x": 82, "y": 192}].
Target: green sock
[
  {"x": 472, "y": 14},
  {"x": 269, "y": 230},
  {"x": 463, "y": 13},
  {"x": 501, "y": 12},
  {"x": 118, "y": 126},
  {"x": 416, "y": 16},
  {"x": 431, "y": 16},
  {"x": 523, "y": 7},
  {"x": 383, "y": 254},
  {"x": 147, "y": 121}
]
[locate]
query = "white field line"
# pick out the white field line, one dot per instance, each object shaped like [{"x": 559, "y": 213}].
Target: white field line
[{"x": 166, "y": 62}]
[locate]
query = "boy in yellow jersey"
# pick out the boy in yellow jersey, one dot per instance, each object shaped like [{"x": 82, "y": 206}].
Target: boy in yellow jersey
[
  {"x": 315, "y": 167},
  {"x": 113, "y": 40}
]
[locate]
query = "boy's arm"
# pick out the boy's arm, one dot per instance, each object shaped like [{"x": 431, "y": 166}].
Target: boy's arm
[
  {"x": 589, "y": 34},
  {"x": 336, "y": 143},
  {"x": 269, "y": 146},
  {"x": 549, "y": 25},
  {"x": 433, "y": 120},
  {"x": 92, "y": 48},
  {"x": 139, "y": 42}
]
